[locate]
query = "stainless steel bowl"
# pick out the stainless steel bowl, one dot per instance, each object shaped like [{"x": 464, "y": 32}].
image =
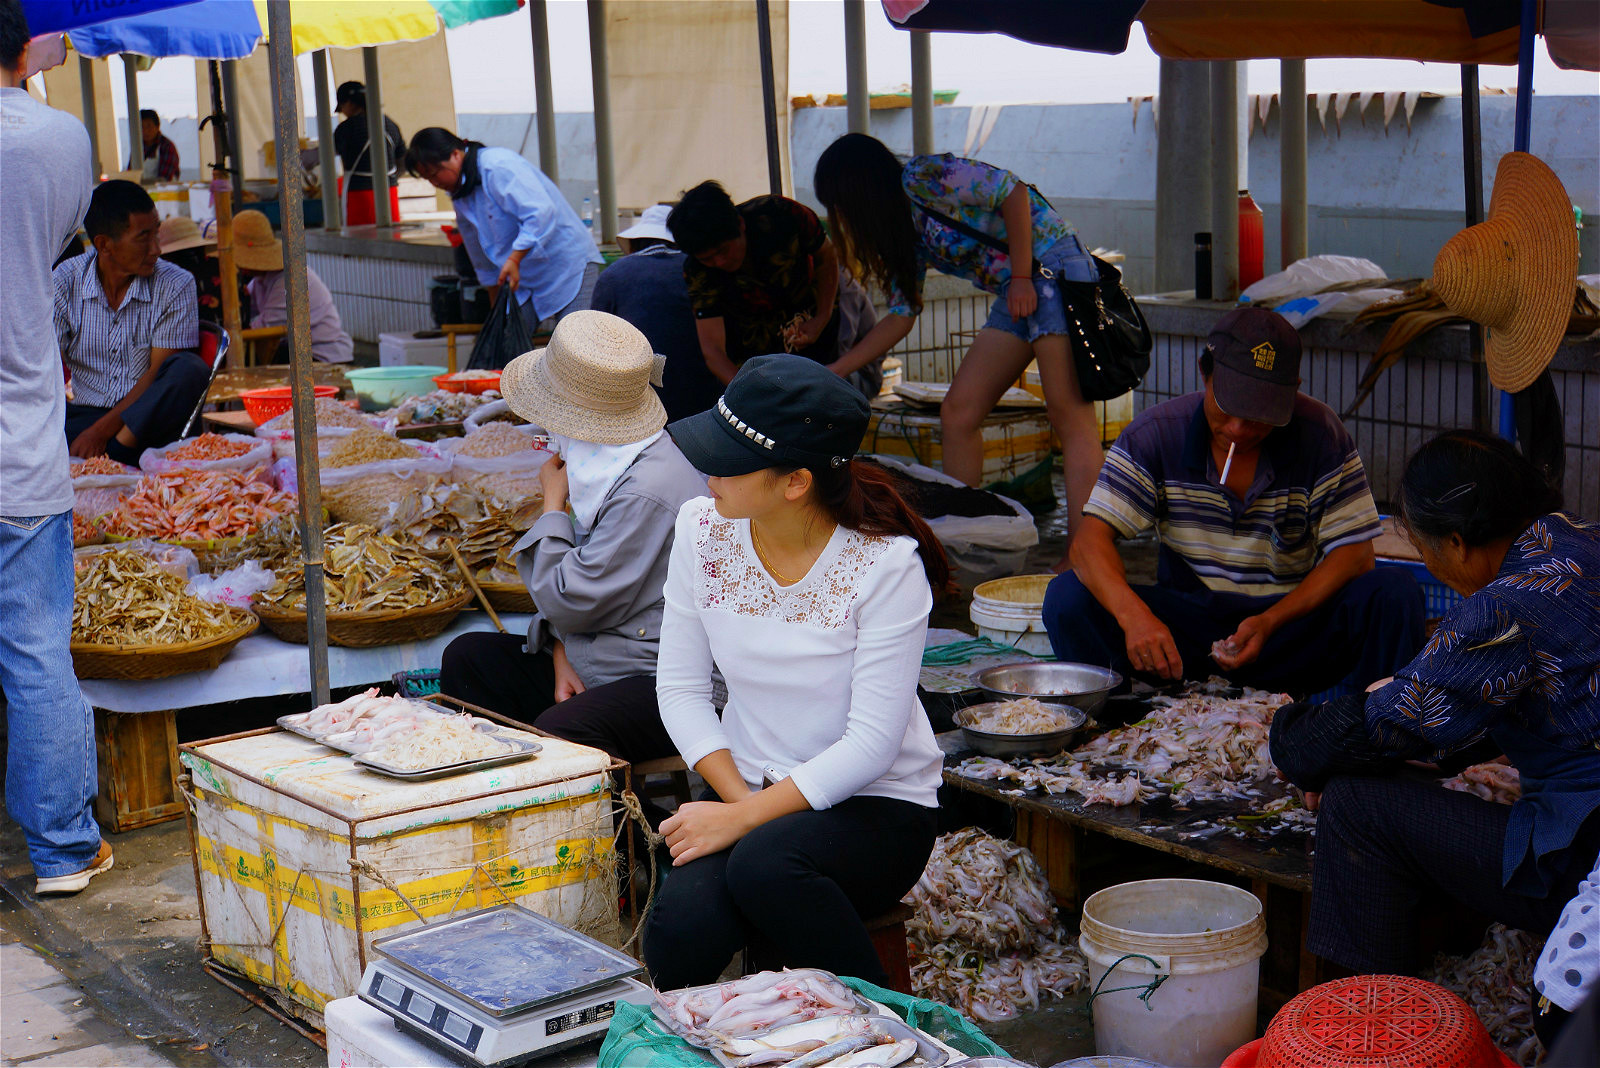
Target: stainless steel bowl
[
  {"x": 1057, "y": 682},
  {"x": 1006, "y": 746}
]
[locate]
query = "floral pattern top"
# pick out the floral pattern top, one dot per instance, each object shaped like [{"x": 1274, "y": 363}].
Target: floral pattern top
[
  {"x": 1525, "y": 647},
  {"x": 972, "y": 192}
]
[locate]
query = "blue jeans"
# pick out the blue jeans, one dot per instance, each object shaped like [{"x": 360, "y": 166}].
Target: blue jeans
[
  {"x": 1367, "y": 631},
  {"x": 50, "y": 757},
  {"x": 1066, "y": 259}
]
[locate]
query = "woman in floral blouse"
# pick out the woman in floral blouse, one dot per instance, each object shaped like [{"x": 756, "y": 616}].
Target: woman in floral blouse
[
  {"x": 885, "y": 215},
  {"x": 1516, "y": 665}
]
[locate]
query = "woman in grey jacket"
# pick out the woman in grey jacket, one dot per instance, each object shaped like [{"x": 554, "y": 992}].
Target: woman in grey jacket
[{"x": 596, "y": 559}]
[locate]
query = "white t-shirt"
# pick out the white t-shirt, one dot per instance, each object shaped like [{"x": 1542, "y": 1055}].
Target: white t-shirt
[
  {"x": 1569, "y": 967},
  {"x": 821, "y": 675}
]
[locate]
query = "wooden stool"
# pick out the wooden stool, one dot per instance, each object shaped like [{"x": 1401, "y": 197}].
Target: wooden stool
[
  {"x": 677, "y": 786},
  {"x": 888, "y": 934}
]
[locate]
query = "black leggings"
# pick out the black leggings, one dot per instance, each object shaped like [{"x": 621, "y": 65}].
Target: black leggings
[{"x": 799, "y": 885}]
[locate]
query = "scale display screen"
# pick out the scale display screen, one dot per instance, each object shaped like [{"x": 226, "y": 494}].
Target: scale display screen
[{"x": 505, "y": 960}]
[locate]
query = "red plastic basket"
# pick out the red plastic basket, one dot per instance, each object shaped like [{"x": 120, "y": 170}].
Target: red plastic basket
[
  {"x": 451, "y": 384},
  {"x": 273, "y": 401},
  {"x": 1373, "y": 1021}
]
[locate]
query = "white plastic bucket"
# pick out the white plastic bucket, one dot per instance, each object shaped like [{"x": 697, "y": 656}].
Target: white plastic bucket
[
  {"x": 1011, "y": 611},
  {"x": 1205, "y": 938}
]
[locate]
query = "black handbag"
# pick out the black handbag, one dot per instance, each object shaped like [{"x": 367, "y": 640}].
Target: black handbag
[{"x": 1111, "y": 349}]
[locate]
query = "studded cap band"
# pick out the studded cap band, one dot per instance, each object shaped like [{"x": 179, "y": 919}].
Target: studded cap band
[{"x": 765, "y": 442}]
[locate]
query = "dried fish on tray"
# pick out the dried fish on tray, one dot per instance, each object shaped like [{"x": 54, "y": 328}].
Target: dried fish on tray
[
  {"x": 449, "y": 748},
  {"x": 706, "y": 1016},
  {"x": 196, "y": 506},
  {"x": 122, "y": 597},
  {"x": 410, "y": 739},
  {"x": 984, "y": 937},
  {"x": 366, "y": 571}
]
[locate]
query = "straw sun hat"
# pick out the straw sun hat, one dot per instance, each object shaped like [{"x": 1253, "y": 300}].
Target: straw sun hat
[
  {"x": 179, "y": 232},
  {"x": 1515, "y": 272},
  {"x": 255, "y": 246},
  {"x": 592, "y": 382}
]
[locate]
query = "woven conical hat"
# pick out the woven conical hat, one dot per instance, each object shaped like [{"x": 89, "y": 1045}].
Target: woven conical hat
[{"x": 1516, "y": 272}]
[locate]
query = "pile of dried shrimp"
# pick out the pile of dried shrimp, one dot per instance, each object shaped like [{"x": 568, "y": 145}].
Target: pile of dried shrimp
[
  {"x": 122, "y": 597},
  {"x": 209, "y": 447},
  {"x": 1496, "y": 980},
  {"x": 102, "y": 465},
  {"x": 197, "y": 506},
  {"x": 984, "y": 938}
]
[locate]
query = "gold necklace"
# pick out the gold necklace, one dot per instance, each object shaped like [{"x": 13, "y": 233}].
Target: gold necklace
[{"x": 779, "y": 575}]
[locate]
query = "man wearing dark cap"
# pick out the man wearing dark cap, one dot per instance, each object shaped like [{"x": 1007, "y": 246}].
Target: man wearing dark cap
[{"x": 1259, "y": 500}]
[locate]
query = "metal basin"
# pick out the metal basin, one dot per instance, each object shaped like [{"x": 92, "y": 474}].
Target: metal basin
[
  {"x": 1057, "y": 682},
  {"x": 1007, "y": 746}
]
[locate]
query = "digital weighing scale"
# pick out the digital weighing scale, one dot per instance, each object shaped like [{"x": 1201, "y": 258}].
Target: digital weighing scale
[{"x": 500, "y": 986}]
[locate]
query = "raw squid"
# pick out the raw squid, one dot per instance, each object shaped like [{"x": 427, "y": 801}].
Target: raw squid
[
  {"x": 1496, "y": 980},
  {"x": 1492, "y": 782},
  {"x": 754, "y": 1003}
]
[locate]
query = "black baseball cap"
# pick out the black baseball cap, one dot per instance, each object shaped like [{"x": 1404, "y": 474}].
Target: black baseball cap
[
  {"x": 1255, "y": 359},
  {"x": 778, "y": 410}
]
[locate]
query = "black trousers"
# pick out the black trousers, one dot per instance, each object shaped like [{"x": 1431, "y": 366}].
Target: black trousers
[
  {"x": 799, "y": 885},
  {"x": 492, "y": 671},
  {"x": 1389, "y": 847},
  {"x": 158, "y": 416}
]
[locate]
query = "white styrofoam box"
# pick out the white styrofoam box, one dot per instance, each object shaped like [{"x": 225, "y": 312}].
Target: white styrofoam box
[
  {"x": 304, "y": 858},
  {"x": 395, "y": 350},
  {"x": 201, "y": 209},
  {"x": 171, "y": 199}
]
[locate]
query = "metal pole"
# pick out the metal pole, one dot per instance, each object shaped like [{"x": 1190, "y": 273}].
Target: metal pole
[
  {"x": 1292, "y": 116},
  {"x": 230, "y": 103},
  {"x": 1472, "y": 182},
  {"x": 90, "y": 114},
  {"x": 286, "y": 125},
  {"x": 222, "y": 125},
  {"x": 605, "y": 173},
  {"x": 1183, "y": 170},
  {"x": 327, "y": 165},
  {"x": 769, "y": 94},
  {"x": 377, "y": 139},
  {"x": 130, "y": 79},
  {"x": 858, "y": 101},
  {"x": 544, "y": 101},
  {"x": 921, "y": 92},
  {"x": 1524, "y": 131},
  {"x": 1224, "y": 180}
]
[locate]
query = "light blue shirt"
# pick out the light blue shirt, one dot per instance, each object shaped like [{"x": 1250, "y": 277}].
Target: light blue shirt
[{"x": 518, "y": 207}]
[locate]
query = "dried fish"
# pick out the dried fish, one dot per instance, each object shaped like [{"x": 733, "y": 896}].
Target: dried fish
[
  {"x": 84, "y": 532},
  {"x": 440, "y": 406},
  {"x": 985, "y": 938},
  {"x": 432, "y": 744},
  {"x": 448, "y": 511},
  {"x": 122, "y": 597},
  {"x": 197, "y": 506},
  {"x": 274, "y": 544},
  {"x": 1496, "y": 980},
  {"x": 365, "y": 571}
]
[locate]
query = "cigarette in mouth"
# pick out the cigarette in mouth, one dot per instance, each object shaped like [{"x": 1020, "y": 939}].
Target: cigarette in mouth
[{"x": 1227, "y": 465}]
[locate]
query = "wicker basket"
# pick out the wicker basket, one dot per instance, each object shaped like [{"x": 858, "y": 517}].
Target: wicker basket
[
  {"x": 91, "y": 661},
  {"x": 508, "y": 596},
  {"x": 388, "y": 626}
]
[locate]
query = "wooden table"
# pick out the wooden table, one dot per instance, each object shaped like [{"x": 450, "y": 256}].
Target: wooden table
[
  {"x": 228, "y": 384},
  {"x": 1058, "y": 828}
]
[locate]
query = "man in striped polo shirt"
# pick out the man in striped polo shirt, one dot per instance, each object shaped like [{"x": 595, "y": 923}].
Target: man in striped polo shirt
[
  {"x": 127, "y": 322},
  {"x": 1267, "y": 576}
]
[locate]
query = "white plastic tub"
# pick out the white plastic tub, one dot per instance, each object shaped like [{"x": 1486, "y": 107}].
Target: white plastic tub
[
  {"x": 1011, "y": 611},
  {"x": 1206, "y": 938}
]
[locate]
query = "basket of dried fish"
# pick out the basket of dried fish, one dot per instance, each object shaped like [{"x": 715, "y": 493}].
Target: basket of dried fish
[
  {"x": 133, "y": 619},
  {"x": 379, "y": 592},
  {"x": 500, "y": 582}
]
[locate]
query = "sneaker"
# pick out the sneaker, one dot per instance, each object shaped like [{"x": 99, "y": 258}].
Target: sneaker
[{"x": 71, "y": 884}]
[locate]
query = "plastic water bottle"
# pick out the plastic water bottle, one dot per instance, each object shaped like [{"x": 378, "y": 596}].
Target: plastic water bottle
[{"x": 588, "y": 215}]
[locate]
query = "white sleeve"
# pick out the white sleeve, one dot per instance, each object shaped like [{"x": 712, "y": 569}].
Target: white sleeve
[
  {"x": 892, "y": 613},
  {"x": 1569, "y": 968},
  {"x": 683, "y": 662}
]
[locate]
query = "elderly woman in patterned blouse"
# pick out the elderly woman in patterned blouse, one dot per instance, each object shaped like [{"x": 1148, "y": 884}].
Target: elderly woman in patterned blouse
[{"x": 1515, "y": 665}]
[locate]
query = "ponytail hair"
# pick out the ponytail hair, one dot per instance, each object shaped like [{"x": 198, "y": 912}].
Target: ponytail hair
[{"x": 862, "y": 497}]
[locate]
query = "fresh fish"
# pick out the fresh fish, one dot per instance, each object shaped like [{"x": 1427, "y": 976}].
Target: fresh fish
[
  {"x": 834, "y": 1050},
  {"x": 883, "y": 1055}
]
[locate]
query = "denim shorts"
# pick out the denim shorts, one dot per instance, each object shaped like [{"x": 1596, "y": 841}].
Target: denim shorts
[{"x": 1067, "y": 259}]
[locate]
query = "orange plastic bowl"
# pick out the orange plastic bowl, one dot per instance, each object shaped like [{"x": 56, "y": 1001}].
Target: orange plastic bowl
[
  {"x": 271, "y": 402},
  {"x": 1373, "y": 1021},
  {"x": 452, "y": 384}
]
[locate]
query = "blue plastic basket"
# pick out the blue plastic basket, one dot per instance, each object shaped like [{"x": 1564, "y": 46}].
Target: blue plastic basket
[{"x": 1437, "y": 599}]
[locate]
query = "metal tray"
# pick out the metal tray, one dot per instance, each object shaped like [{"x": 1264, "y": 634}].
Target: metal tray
[
  {"x": 321, "y": 739},
  {"x": 929, "y": 1053},
  {"x": 863, "y": 1008},
  {"x": 527, "y": 748}
]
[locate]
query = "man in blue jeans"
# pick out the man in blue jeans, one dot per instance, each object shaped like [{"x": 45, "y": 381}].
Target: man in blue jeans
[
  {"x": 50, "y": 757},
  {"x": 1266, "y": 569}
]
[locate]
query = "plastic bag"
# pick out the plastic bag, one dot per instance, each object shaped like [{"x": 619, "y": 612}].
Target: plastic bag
[
  {"x": 95, "y": 495},
  {"x": 363, "y": 493},
  {"x": 282, "y": 440},
  {"x": 1312, "y": 275},
  {"x": 154, "y": 461},
  {"x": 982, "y": 547},
  {"x": 510, "y": 478},
  {"x": 174, "y": 558},
  {"x": 236, "y": 587},
  {"x": 503, "y": 338}
]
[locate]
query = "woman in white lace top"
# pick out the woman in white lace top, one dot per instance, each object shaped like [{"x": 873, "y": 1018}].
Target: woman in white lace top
[{"x": 807, "y": 581}]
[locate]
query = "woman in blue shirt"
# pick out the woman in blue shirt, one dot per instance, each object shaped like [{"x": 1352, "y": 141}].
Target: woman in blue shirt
[
  {"x": 1516, "y": 665},
  {"x": 885, "y": 216}
]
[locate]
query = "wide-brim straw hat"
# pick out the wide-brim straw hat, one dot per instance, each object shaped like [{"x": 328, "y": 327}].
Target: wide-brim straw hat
[
  {"x": 255, "y": 246},
  {"x": 592, "y": 382},
  {"x": 1515, "y": 272},
  {"x": 179, "y": 232}
]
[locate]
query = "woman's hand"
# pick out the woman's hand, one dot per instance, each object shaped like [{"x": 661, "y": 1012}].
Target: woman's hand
[
  {"x": 804, "y": 334},
  {"x": 701, "y": 828},
  {"x": 567, "y": 682},
  {"x": 553, "y": 481},
  {"x": 1021, "y": 300}
]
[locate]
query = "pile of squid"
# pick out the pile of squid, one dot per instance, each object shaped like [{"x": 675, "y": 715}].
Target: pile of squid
[
  {"x": 1496, "y": 980},
  {"x": 1200, "y": 746},
  {"x": 1492, "y": 782},
  {"x": 984, "y": 937},
  {"x": 724, "y": 1011}
]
